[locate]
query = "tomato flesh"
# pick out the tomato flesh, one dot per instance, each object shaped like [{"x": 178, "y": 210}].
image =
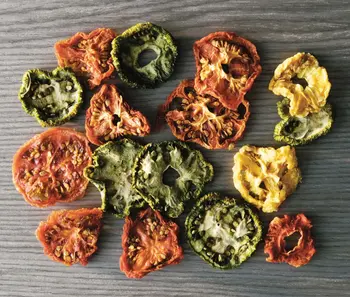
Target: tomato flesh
[
  {"x": 70, "y": 236},
  {"x": 49, "y": 167},
  {"x": 149, "y": 243}
]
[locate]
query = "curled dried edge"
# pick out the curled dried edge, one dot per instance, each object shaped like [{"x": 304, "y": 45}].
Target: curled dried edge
[{"x": 275, "y": 244}]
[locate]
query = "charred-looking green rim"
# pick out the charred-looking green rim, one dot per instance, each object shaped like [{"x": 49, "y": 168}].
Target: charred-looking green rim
[
  {"x": 151, "y": 164},
  {"x": 237, "y": 230},
  {"x": 111, "y": 171},
  {"x": 127, "y": 47},
  {"x": 302, "y": 130},
  {"x": 37, "y": 89}
]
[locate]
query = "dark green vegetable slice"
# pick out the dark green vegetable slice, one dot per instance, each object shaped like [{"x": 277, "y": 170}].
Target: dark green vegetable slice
[
  {"x": 127, "y": 48},
  {"x": 221, "y": 232},
  {"x": 51, "y": 97},
  {"x": 151, "y": 168},
  {"x": 296, "y": 130},
  {"x": 111, "y": 173}
]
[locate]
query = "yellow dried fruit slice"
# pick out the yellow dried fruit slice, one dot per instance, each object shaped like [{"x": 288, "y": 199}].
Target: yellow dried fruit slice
[
  {"x": 265, "y": 176},
  {"x": 303, "y": 100}
]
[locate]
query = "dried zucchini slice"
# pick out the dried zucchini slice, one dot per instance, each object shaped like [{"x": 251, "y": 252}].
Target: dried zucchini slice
[
  {"x": 153, "y": 162},
  {"x": 53, "y": 98},
  {"x": 302, "y": 100},
  {"x": 266, "y": 176},
  {"x": 301, "y": 130},
  {"x": 127, "y": 48},
  {"x": 221, "y": 232},
  {"x": 111, "y": 173}
]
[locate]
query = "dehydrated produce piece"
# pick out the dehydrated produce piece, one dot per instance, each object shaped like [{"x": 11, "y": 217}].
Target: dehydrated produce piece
[
  {"x": 49, "y": 167},
  {"x": 153, "y": 163},
  {"x": 303, "y": 100},
  {"x": 227, "y": 66},
  {"x": 88, "y": 54},
  {"x": 111, "y": 173},
  {"x": 110, "y": 117},
  {"x": 53, "y": 98},
  {"x": 222, "y": 232},
  {"x": 149, "y": 243},
  {"x": 70, "y": 236},
  {"x": 266, "y": 176},
  {"x": 275, "y": 243},
  {"x": 128, "y": 47},
  {"x": 301, "y": 130},
  {"x": 203, "y": 119}
]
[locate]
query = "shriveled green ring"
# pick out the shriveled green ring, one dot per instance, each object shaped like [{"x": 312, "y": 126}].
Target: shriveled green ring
[
  {"x": 213, "y": 215},
  {"x": 127, "y": 47},
  {"x": 49, "y": 112},
  {"x": 194, "y": 172}
]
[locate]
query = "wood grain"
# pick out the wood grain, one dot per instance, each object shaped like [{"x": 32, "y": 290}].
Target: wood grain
[{"x": 28, "y": 30}]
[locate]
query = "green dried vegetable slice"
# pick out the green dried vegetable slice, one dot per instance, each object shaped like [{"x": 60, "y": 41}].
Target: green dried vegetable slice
[
  {"x": 301, "y": 130},
  {"x": 151, "y": 166},
  {"x": 127, "y": 48},
  {"x": 221, "y": 232},
  {"x": 53, "y": 98},
  {"x": 111, "y": 173}
]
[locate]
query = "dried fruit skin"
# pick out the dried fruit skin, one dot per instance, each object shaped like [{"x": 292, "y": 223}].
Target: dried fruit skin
[
  {"x": 149, "y": 243},
  {"x": 203, "y": 119},
  {"x": 275, "y": 244},
  {"x": 302, "y": 100},
  {"x": 111, "y": 173},
  {"x": 110, "y": 117},
  {"x": 127, "y": 47},
  {"x": 49, "y": 167},
  {"x": 70, "y": 236},
  {"x": 151, "y": 164},
  {"x": 88, "y": 54},
  {"x": 227, "y": 66},
  {"x": 53, "y": 98},
  {"x": 221, "y": 232},
  {"x": 302, "y": 130},
  {"x": 266, "y": 176}
]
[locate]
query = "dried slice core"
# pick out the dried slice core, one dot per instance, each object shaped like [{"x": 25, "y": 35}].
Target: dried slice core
[{"x": 266, "y": 176}]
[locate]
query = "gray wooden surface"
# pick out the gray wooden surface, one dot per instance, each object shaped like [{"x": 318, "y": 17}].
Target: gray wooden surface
[{"x": 28, "y": 31}]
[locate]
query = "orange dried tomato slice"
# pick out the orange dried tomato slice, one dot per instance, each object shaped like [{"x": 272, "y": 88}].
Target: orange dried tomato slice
[
  {"x": 110, "y": 117},
  {"x": 275, "y": 243},
  {"x": 49, "y": 167},
  {"x": 88, "y": 54},
  {"x": 227, "y": 66},
  {"x": 70, "y": 236},
  {"x": 203, "y": 119},
  {"x": 149, "y": 243}
]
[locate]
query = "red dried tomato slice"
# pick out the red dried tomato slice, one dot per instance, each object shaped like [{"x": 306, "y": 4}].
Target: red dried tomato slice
[
  {"x": 202, "y": 118},
  {"x": 275, "y": 244},
  {"x": 49, "y": 167},
  {"x": 88, "y": 54},
  {"x": 149, "y": 243},
  {"x": 70, "y": 236},
  {"x": 109, "y": 117},
  {"x": 227, "y": 66}
]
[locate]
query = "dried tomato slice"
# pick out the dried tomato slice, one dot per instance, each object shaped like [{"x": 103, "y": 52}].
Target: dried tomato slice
[
  {"x": 265, "y": 176},
  {"x": 110, "y": 117},
  {"x": 49, "y": 167},
  {"x": 53, "y": 98},
  {"x": 88, "y": 54},
  {"x": 203, "y": 119},
  {"x": 149, "y": 243},
  {"x": 275, "y": 244},
  {"x": 227, "y": 66},
  {"x": 70, "y": 236}
]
